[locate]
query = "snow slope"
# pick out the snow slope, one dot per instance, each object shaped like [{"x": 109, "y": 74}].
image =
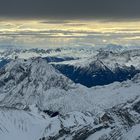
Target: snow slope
[{"x": 18, "y": 124}]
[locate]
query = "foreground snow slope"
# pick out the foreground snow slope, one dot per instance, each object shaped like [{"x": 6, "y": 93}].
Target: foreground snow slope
[
  {"x": 29, "y": 89},
  {"x": 18, "y": 124}
]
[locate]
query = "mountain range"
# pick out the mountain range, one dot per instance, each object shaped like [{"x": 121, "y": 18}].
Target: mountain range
[
  {"x": 88, "y": 67},
  {"x": 38, "y": 101}
]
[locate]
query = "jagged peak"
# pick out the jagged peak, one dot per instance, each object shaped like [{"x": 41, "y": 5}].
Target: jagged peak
[
  {"x": 97, "y": 64},
  {"x": 27, "y": 81},
  {"x": 36, "y": 63}
]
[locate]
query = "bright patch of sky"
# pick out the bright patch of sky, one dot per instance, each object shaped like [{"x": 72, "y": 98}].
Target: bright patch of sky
[{"x": 65, "y": 33}]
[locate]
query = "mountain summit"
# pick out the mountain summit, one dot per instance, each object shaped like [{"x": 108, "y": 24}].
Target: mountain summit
[{"x": 24, "y": 82}]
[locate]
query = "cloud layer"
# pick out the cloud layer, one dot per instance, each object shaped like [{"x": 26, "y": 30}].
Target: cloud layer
[{"x": 68, "y": 9}]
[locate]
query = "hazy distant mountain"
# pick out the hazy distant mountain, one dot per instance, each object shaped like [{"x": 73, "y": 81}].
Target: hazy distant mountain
[{"x": 113, "y": 48}]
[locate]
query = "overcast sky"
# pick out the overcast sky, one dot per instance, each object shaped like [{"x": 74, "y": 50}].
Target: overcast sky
[
  {"x": 69, "y": 9},
  {"x": 61, "y": 23}
]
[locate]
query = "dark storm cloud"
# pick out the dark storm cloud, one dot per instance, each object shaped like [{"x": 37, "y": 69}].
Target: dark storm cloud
[{"x": 129, "y": 9}]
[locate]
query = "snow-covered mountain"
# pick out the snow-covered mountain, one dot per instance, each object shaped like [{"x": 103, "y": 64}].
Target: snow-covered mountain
[
  {"x": 89, "y": 66},
  {"x": 103, "y": 68},
  {"x": 37, "y": 102},
  {"x": 114, "y": 48},
  {"x": 55, "y": 52},
  {"x": 25, "y": 82}
]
